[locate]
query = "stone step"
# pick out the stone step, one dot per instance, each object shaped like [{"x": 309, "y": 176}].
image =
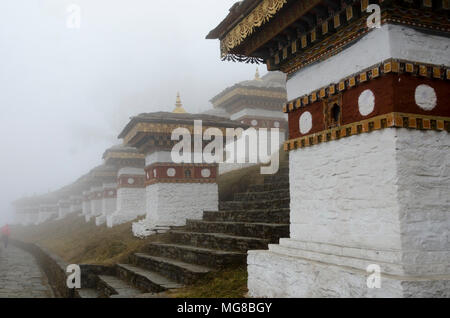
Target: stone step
[
  {"x": 109, "y": 285},
  {"x": 253, "y": 205},
  {"x": 145, "y": 280},
  {"x": 181, "y": 272},
  {"x": 263, "y": 195},
  {"x": 268, "y": 186},
  {"x": 218, "y": 241},
  {"x": 87, "y": 293},
  {"x": 280, "y": 216},
  {"x": 283, "y": 168},
  {"x": 196, "y": 255},
  {"x": 269, "y": 231},
  {"x": 276, "y": 178}
]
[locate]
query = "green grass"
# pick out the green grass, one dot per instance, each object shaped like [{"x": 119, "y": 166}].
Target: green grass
[{"x": 226, "y": 283}]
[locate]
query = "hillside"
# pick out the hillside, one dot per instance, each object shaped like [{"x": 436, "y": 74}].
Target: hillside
[
  {"x": 76, "y": 241},
  {"x": 79, "y": 242}
]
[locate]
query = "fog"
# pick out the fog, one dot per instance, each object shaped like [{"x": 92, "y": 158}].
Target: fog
[{"x": 66, "y": 93}]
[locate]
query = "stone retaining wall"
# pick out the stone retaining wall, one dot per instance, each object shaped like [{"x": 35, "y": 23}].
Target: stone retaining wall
[
  {"x": 55, "y": 270},
  {"x": 53, "y": 266}
]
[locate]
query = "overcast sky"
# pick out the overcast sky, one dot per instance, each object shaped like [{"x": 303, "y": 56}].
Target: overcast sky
[{"x": 66, "y": 93}]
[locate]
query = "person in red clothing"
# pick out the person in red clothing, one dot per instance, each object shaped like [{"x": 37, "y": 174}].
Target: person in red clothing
[{"x": 6, "y": 232}]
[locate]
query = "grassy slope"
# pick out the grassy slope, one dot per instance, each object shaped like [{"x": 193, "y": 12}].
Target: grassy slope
[
  {"x": 84, "y": 243},
  {"x": 227, "y": 283}
]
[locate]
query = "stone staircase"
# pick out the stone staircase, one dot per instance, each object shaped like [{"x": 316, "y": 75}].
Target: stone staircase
[{"x": 221, "y": 239}]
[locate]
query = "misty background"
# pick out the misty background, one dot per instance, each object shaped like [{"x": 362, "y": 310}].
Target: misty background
[{"x": 67, "y": 93}]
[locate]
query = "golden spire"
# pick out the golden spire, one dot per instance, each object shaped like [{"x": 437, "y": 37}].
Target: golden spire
[
  {"x": 257, "y": 77},
  {"x": 179, "y": 106}
]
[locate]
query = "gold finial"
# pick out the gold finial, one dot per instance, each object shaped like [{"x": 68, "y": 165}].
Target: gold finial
[
  {"x": 179, "y": 106},
  {"x": 257, "y": 77}
]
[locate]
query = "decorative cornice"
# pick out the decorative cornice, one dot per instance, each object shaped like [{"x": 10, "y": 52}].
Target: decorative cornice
[
  {"x": 260, "y": 15},
  {"x": 320, "y": 43},
  {"x": 183, "y": 180},
  {"x": 110, "y": 193},
  {"x": 123, "y": 155},
  {"x": 391, "y": 120},
  {"x": 239, "y": 91},
  {"x": 277, "y": 25},
  {"x": 156, "y": 129},
  {"x": 327, "y": 36},
  {"x": 131, "y": 181},
  {"x": 324, "y": 50},
  {"x": 159, "y": 173},
  {"x": 368, "y": 74},
  {"x": 242, "y": 59},
  {"x": 314, "y": 51}
]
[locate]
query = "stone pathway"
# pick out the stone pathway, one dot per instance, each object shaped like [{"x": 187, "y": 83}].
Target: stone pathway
[{"x": 20, "y": 275}]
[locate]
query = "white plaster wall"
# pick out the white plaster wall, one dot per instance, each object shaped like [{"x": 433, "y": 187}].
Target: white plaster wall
[
  {"x": 279, "y": 275},
  {"x": 272, "y": 114},
  {"x": 131, "y": 171},
  {"x": 423, "y": 181},
  {"x": 159, "y": 156},
  {"x": 411, "y": 44},
  {"x": 130, "y": 205},
  {"x": 378, "y": 198},
  {"x": 390, "y": 41},
  {"x": 86, "y": 207},
  {"x": 96, "y": 204},
  {"x": 108, "y": 206},
  {"x": 96, "y": 207},
  {"x": 344, "y": 192},
  {"x": 387, "y": 190},
  {"x": 130, "y": 202},
  {"x": 74, "y": 207},
  {"x": 170, "y": 204}
]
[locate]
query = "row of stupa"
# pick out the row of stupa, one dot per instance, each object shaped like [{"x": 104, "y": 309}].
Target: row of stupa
[{"x": 139, "y": 178}]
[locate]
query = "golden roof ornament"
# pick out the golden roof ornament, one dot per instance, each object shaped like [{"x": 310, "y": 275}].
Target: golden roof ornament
[
  {"x": 179, "y": 106},
  {"x": 257, "y": 77}
]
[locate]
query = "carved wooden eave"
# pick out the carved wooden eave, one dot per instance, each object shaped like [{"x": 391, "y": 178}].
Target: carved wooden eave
[
  {"x": 278, "y": 96},
  {"x": 101, "y": 174},
  {"x": 154, "y": 130},
  {"x": 121, "y": 156},
  {"x": 241, "y": 24},
  {"x": 292, "y": 34}
]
